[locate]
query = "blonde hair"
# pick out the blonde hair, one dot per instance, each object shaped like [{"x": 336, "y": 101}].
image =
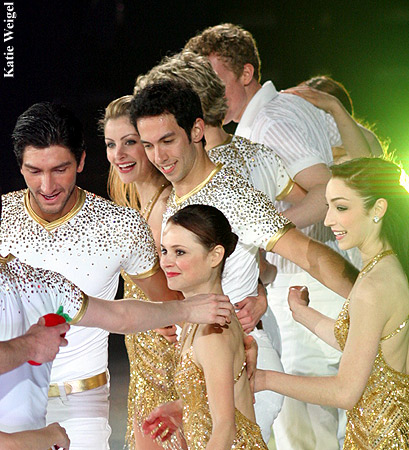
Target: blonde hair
[
  {"x": 119, "y": 192},
  {"x": 196, "y": 71}
]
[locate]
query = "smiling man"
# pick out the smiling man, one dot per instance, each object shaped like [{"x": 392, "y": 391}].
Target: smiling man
[
  {"x": 169, "y": 118},
  {"x": 56, "y": 225}
]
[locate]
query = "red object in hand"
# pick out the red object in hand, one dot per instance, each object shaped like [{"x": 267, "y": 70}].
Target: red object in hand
[{"x": 51, "y": 320}]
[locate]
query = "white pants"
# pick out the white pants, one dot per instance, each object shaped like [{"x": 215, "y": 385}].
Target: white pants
[
  {"x": 303, "y": 426},
  {"x": 84, "y": 416},
  {"x": 268, "y": 403}
]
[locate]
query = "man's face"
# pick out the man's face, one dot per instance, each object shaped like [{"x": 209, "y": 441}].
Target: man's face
[
  {"x": 50, "y": 174},
  {"x": 168, "y": 148},
  {"x": 235, "y": 92}
]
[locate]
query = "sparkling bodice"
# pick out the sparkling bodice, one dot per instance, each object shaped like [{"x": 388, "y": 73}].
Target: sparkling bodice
[
  {"x": 380, "y": 419},
  {"x": 197, "y": 421}
]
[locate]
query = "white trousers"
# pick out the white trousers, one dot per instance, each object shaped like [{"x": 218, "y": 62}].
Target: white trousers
[
  {"x": 303, "y": 426},
  {"x": 268, "y": 403},
  {"x": 84, "y": 416}
]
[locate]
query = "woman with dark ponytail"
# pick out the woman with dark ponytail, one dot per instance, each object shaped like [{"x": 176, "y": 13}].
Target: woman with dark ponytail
[
  {"x": 368, "y": 208},
  {"x": 215, "y": 406}
]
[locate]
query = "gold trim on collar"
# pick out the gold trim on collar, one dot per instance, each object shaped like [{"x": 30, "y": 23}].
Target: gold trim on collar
[
  {"x": 180, "y": 200},
  {"x": 7, "y": 259},
  {"x": 49, "y": 226}
]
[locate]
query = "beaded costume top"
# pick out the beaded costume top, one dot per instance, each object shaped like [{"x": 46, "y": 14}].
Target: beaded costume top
[
  {"x": 252, "y": 217},
  {"x": 380, "y": 419},
  {"x": 197, "y": 422},
  {"x": 152, "y": 369},
  {"x": 256, "y": 163}
]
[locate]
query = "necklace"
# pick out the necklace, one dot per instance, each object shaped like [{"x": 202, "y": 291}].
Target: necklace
[
  {"x": 374, "y": 261},
  {"x": 151, "y": 203}
]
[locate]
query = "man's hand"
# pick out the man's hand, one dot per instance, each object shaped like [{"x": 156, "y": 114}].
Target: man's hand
[
  {"x": 250, "y": 310},
  {"x": 208, "y": 308},
  {"x": 59, "y": 436},
  {"x": 169, "y": 333},
  {"x": 43, "y": 343},
  {"x": 251, "y": 349}
]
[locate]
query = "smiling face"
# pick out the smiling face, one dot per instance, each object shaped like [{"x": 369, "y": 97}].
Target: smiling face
[
  {"x": 168, "y": 148},
  {"x": 125, "y": 151},
  {"x": 50, "y": 174},
  {"x": 189, "y": 266},
  {"x": 235, "y": 89},
  {"x": 351, "y": 224}
]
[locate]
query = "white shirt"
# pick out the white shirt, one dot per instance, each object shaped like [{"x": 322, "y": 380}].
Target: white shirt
[
  {"x": 302, "y": 135},
  {"x": 89, "y": 246},
  {"x": 26, "y": 294},
  {"x": 256, "y": 163},
  {"x": 252, "y": 217}
]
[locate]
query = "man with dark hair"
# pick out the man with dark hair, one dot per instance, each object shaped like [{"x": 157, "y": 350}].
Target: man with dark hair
[
  {"x": 180, "y": 156},
  {"x": 302, "y": 135},
  {"x": 26, "y": 294},
  {"x": 56, "y": 225}
]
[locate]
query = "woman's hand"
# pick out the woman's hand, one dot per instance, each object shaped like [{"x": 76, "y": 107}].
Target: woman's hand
[
  {"x": 297, "y": 300},
  {"x": 164, "y": 420},
  {"x": 320, "y": 99}
]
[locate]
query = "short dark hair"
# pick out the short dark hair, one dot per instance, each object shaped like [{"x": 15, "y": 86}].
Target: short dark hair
[
  {"x": 209, "y": 225},
  {"x": 168, "y": 97},
  {"x": 45, "y": 124}
]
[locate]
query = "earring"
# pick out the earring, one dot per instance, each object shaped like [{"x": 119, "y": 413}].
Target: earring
[{"x": 376, "y": 219}]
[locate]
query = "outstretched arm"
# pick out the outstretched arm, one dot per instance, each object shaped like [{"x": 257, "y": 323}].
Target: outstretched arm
[
  {"x": 131, "y": 316},
  {"x": 312, "y": 208},
  {"x": 323, "y": 263},
  {"x": 344, "y": 389}
]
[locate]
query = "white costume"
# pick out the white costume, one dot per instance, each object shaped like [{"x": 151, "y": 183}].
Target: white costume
[
  {"x": 256, "y": 163},
  {"x": 89, "y": 246},
  {"x": 26, "y": 294},
  {"x": 302, "y": 136},
  {"x": 258, "y": 225}
]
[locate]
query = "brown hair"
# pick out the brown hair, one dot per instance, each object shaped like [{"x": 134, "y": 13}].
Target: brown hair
[
  {"x": 209, "y": 225},
  {"x": 235, "y": 45},
  {"x": 196, "y": 71},
  {"x": 335, "y": 88}
]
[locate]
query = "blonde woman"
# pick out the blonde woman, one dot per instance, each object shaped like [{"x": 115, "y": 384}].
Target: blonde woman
[{"x": 133, "y": 181}]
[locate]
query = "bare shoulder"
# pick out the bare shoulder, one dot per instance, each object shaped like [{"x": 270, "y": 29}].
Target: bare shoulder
[
  {"x": 219, "y": 335},
  {"x": 382, "y": 287}
]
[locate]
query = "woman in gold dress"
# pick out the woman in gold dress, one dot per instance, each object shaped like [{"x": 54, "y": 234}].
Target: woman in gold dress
[
  {"x": 133, "y": 181},
  {"x": 368, "y": 207},
  {"x": 216, "y": 403}
]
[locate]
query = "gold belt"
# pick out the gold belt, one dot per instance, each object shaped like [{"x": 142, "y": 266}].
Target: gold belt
[{"x": 74, "y": 386}]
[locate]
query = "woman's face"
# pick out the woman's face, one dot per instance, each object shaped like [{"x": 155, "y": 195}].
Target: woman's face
[
  {"x": 351, "y": 224},
  {"x": 187, "y": 264},
  {"x": 125, "y": 151}
]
